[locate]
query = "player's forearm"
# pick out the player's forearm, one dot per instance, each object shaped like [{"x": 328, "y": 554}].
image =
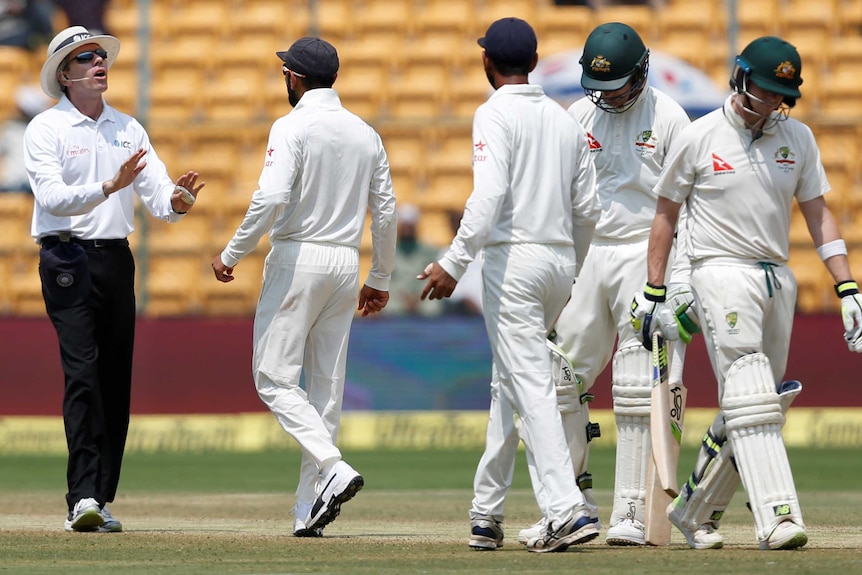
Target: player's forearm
[{"x": 661, "y": 240}]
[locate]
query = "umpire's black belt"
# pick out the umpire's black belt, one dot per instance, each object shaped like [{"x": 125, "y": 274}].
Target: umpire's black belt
[{"x": 48, "y": 241}]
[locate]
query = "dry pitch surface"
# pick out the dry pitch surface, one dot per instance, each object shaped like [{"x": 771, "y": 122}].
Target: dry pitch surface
[{"x": 383, "y": 532}]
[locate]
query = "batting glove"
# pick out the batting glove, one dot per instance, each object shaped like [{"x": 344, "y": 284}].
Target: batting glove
[
  {"x": 851, "y": 314},
  {"x": 650, "y": 313},
  {"x": 681, "y": 301}
]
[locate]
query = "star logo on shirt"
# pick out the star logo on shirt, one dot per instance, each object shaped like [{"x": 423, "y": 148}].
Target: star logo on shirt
[
  {"x": 480, "y": 146},
  {"x": 270, "y": 151}
]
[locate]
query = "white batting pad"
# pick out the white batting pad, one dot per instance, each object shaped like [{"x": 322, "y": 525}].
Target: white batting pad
[
  {"x": 632, "y": 385},
  {"x": 565, "y": 381},
  {"x": 754, "y": 417}
]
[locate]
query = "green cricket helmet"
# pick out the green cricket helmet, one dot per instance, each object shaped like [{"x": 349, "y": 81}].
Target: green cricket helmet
[
  {"x": 772, "y": 64},
  {"x": 613, "y": 55}
]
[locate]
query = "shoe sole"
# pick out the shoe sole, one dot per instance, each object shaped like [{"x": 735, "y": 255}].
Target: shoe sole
[
  {"x": 308, "y": 533},
  {"x": 333, "y": 509},
  {"x": 480, "y": 543},
  {"x": 583, "y": 535},
  {"x": 87, "y": 522}
]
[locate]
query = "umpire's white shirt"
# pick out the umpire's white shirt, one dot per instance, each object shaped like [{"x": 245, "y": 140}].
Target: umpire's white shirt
[
  {"x": 629, "y": 150},
  {"x": 69, "y": 155},
  {"x": 504, "y": 206},
  {"x": 739, "y": 190},
  {"x": 324, "y": 168}
]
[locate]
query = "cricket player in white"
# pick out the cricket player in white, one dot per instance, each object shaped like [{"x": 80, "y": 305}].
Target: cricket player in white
[
  {"x": 738, "y": 170},
  {"x": 324, "y": 168},
  {"x": 532, "y": 211}
]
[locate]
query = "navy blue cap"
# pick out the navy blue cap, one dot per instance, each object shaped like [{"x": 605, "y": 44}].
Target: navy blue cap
[
  {"x": 510, "y": 41},
  {"x": 311, "y": 56}
]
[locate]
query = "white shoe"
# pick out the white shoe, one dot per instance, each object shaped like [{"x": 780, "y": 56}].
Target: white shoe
[
  {"x": 704, "y": 537},
  {"x": 339, "y": 486},
  {"x": 486, "y": 534},
  {"x": 111, "y": 524},
  {"x": 628, "y": 532},
  {"x": 786, "y": 535},
  {"x": 534, "y": 531},
  {"x": 579, "y": 529},
  {"x": 299, "y": 529},
  {"x": 85, "y": 516}
]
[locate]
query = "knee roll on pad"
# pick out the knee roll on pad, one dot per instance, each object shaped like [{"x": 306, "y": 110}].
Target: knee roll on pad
[
  {"x": 632, "y": 382},
  {"x": 753, "y": 416}
]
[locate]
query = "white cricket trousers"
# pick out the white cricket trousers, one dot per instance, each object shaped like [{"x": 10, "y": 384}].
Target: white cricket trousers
[
  {"x": 525, "y": 288},
  {"x": 303, "y": 321}
]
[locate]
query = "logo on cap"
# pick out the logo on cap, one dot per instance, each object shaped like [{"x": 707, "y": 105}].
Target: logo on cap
[
  {"x": 65, "y": 279},
  {"x": 600, "y": 64},
  {"x": 785, "y": 70}
]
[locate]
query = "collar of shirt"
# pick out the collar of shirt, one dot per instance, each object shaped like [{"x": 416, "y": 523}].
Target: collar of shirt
[
  {"x": 76, "y": 117},
  {"x": 738, "y": 122},
  {"x": 319, "y": 98},
  {"x": 519, "y": 90}
]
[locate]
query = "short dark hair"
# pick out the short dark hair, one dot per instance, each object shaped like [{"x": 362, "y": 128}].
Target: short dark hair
[
  {"x": 512, "y": 69},
  {"x": 312, "y": 82}
]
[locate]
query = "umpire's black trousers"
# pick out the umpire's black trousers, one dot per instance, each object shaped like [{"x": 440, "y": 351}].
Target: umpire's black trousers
[{"x": 96, "y": 339}]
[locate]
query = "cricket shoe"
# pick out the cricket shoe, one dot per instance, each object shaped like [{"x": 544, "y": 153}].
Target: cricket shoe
[
  {"x": 704, "y": 537},
  {"x": 577, "y": 530},
  {"x": 486, "y": 534},
  {"x": 299, "y": 529},
  {"x": 111, "y": 524},
  {"x": 786, "y": 535},
  {"x": 537, "y": 528},
  {"x": 339, "y": 486},
  {"x": 628, "y": 532},
  {"x": 85, "y": 516}
]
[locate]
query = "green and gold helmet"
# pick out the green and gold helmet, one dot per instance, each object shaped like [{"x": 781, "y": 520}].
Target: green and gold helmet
[
  {"x": 613, "y": 55},
  {"x": 772, "y": 64}
]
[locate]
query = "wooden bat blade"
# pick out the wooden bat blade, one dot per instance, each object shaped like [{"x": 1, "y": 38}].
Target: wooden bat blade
[
  {"x": 657, "y": 527},
  {"x": 665, "y": 446}
]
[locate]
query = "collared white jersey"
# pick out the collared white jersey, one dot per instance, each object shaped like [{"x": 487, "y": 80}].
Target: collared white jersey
[
  {"x": 324, "y": 168},
  {"x": 533, "y": 180},
  {"x": 69, "y": 155},
  {"x": 629, "y": 150},
  {"x": 739, "y": 191}
]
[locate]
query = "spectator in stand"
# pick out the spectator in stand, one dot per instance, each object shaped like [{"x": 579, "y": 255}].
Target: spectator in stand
[
  {"x": 411, "y": 254},
  {"x": 29, "y": 101},
  {"x": 26, "y": 24},
  {"x": 87, "y": 13}
]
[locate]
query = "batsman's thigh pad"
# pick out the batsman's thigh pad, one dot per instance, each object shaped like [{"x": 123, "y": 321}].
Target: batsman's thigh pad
[
  {"x": 632, "y": 386},
  {"x": 753, "y": 415}
]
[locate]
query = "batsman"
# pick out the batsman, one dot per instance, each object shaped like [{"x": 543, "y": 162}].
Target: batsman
[
  {"x": 738, "y": 170},
  {"x": 631, "y": 128}
]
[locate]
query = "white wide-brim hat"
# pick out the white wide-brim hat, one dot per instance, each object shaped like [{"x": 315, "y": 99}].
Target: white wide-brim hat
[{"x": 62, "y": 45}]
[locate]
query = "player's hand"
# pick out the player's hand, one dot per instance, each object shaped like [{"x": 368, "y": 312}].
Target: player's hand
[
  {"x": 372, "y": 300},
  {"x": 681, "y": 301},
  {"x": 851, "y": 314},
  {"x": 127, "y": 173},
  {"x": 650, "y": 313},
  {"x": 222, "y": 272},
  {"x": 440, "y": 283},
  {"x": 186, "y": 192}
]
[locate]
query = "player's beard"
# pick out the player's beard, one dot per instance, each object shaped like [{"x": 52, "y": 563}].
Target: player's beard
[
  {"x": 490, "y": 76},
  {"x": 291, "y": 96}
]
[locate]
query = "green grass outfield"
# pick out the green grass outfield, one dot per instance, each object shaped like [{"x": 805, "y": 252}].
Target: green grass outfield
[{"x": 230, "y": 513}]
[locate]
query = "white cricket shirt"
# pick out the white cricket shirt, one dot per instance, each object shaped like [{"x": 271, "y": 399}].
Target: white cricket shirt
[
  {"x": 69, "y": 155},
  {"x": 629, "y": 150},
  {"x": 739, "y": 191},
  {"x": 533, "y": 179},
  {"x": 324, "y": 168}
]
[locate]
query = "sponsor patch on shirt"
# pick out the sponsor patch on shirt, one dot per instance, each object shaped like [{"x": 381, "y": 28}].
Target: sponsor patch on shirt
[
  {"x": 595, "y": 145},
  {"x": 479, "y": 151},
  {"x": 269, "y": 153},
  {"x": 720, "y": 167}
]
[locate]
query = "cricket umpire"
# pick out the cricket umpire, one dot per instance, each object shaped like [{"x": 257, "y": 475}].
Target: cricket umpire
[
  {"x": 738, "y": 170},
  {"x": 86, "y": 161}
]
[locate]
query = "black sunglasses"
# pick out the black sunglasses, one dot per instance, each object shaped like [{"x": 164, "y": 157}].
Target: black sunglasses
[{"x": 85, "y": 57}]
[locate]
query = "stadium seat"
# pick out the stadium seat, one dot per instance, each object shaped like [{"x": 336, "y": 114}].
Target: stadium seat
[
  {"x": 25, "y": 286},
  {"x": 757, "y": 18},
  {"x": 238, "y": 297},
  {"x": 333, "y": 19},
  {"x": 193, "y": 235},
  {"x": 566, "y": 27},
  {"x": 448, "y": 17},
  {"x": 173, "y": 284},
  {"x": 16, "y": 213}
]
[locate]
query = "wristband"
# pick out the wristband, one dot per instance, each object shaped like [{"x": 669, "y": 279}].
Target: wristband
[
  {"x": 655, "y": 293},
  {"x": 833, "y": 248},
  {"x": 178, "y": 213},
  {"x": 846, "y": 288}
]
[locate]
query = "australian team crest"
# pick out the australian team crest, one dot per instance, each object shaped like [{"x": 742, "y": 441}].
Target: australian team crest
[
  {"x": 645, "y": 143},
  {"x": 600, "y": 64},
  {"x": 785, "y": 70},
  {"x": 731, "y": 318},
  {"x": 785, "y": 159}
]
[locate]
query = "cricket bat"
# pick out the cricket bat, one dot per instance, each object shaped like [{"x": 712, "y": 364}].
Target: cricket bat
[{"x": 667, "y": 407}]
